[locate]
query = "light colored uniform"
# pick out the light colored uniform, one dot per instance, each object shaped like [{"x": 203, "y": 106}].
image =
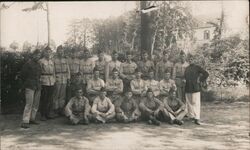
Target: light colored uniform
[
  {"x": 174, "y": 105},
  {"x": 178, "y": 73},
  {"x": 161, "y": 67},
  {"x": 114, "y": 88},
  {"x": 127, "y": 73},
  {"x": 92, "y": 87},
  {"x": 76, "y": 109},
  {"x": 110, "y": 66},
  {"x": 86, "y": 68},
  {"x": 165, "y": 87},
  {"x": 103, "y": 106},
  {"x": 138, "y": 88},
  {"x": 74, "y": 66},
  {"x": 62, "y": 75},
  {"x": 155, "y": 86}
]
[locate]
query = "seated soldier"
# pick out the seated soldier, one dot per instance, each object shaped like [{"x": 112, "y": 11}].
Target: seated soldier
[
  {"x": 152, "y": 83},
  {"x": 175, "y": 108},
  {"x": 165, "y": 85},
  {"x": 151, "y": 108},
  {"x": 138, "y": 87},
  {"x": 103, "y": 110},
  {"x": 127, "y": 109},
  {"x": 78, "y": 108},
  {"x": 114, "y": 86},
  {"x": 94, "y": 86}
]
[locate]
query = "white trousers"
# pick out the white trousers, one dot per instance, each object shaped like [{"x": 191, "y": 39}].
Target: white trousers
[{"x": 193, "y": 104}]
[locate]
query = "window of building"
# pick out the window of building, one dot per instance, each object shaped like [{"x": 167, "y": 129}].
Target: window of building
[{"x": 206, "y": 35}]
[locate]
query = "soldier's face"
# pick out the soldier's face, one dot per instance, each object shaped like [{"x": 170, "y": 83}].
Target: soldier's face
[
  {"x": 174, "y": 94},
  {"x": 79, "y": 93},
  {"x": 151, "y": 75},
  {"x": 150, "y": 95},
  {"x": 183, "y": 58},
  {"x": 60, "y": 52},
  {"x": 138, "y": 75},
  {"x": 145, "y": 56},
  {"x": 37, "y": 56},
  {"x": 76, "y": 54},
  {"x": 101, "y": 56},
  {"x": 129, "y": 57},
  {"x": 96, "y": 74},
  {"x": 48, "y": 54},
  {"x": 115, "y": 56},
  {"x": 167, "y": 76},
  {"x": 87, "y": 54},
  {"x": 165, "y": 57},
  {"x": 103, "y": 94},
  {"x": 115, "y": 74},
  {"x": 129, "y": 95}
]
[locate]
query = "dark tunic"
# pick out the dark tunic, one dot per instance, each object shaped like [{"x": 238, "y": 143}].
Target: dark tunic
[
  {"x": 194, "y": 75},
  {"x": 127, "y": 106},
  {"x": 30, "y": 75}
]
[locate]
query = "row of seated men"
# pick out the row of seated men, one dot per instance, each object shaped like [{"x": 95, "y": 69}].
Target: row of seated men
[
  {"x": 79, "y": 110},
  {"x": 145, "y": 99}
]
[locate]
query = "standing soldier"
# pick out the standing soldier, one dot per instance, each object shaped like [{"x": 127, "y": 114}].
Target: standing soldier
[
  {"x": 47, "y": 82},
  {"x": 114, "y": 63},
  {"x": 30, "y": 74},
  {"x": 194, "y": 76},
  {"x": 62, "y": 79},
  {"x": 127, "y": 71},
  {"x": 165, "y": 85},
  {"x": 86, "y": 68},
  {"x": 74, "y": 67},
  {"x": 145, "y": 64},
  {"x": 101, "y": 64},
  {"x": 152, "y": 83},
  {"x": 94, "y": 86},
  {"x": 164, "y": 65},
  {"x": 178, "y": 72},
  {"x": 114, "y": 86},
  {"x": 138, "y": 86}
]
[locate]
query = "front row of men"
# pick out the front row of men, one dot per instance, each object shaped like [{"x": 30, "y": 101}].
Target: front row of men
[{"x": 125, "y": 110}]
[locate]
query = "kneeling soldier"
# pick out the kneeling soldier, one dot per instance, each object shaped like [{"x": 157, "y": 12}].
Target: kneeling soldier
[
  {"x": 151, "y": 108},
  {"x": 127, "y": 109},
  {"x": 103, "y": 110},
  {"x": 77, "y": 109},
  {"x": 175, "y": 108}
]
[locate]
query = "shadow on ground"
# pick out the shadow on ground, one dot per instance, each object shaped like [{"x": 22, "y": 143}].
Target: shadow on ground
[{"x": 226, "y": 126}]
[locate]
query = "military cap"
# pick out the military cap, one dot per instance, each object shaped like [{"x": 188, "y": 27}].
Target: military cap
[
  {"x": 165, "y": 52},
  {"x": 96, "y": 69},
  {"x": 103, "y": 89},
  {"x": 129, "y": 53},
  {"x": 59, "y": 47},
  {"x": 115, "y": 70},
  {"x": 149, "y": 90},
  {"x": 47, "y": 48},
  {"x": 137, "y": 70},
  {"x": 182, "y": 52},
  {"x": 114, "y": 52}
]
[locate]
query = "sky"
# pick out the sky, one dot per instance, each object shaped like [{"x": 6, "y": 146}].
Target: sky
[{"x": 20, "y": 26}]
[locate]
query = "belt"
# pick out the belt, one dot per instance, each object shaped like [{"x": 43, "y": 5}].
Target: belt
[
  {"x": 47, "y": 74},
  {"x": 62, "y": 72}
]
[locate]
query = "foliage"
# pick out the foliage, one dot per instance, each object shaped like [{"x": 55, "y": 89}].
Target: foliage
[{"x": 14, "y": 45}]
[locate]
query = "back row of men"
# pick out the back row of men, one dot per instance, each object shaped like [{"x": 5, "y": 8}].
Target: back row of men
[{"x": 57, "y": 79}]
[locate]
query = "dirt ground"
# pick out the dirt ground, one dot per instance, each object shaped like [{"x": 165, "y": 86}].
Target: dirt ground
[{"x": 225, "y": 126}]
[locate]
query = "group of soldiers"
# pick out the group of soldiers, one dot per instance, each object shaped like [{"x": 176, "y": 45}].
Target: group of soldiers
[{"x": 103, "y": 91}]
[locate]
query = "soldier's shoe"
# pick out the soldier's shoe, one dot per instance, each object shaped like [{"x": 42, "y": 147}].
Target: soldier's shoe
[
  {"x": 25, "y": 125},
  {"x": 178, "y": 122},
  {"x": 156, "y": 122},
  {"x": 43, "y": 118},
  {"x": 34, "y": 122},
  {"x": 197, "y": 121},
  {"x": 150, "y": 122}
]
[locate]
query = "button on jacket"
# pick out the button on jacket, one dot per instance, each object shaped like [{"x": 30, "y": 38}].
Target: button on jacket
[
  {"x": 48, "y": 72},
  {"x": 62, "y": 70}
]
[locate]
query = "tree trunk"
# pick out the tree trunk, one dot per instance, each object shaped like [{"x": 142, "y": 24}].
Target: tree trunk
[{"x": 48, "y": 22}]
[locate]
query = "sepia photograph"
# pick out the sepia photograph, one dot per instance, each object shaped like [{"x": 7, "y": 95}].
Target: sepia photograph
[{"x": 124, "y": 75}]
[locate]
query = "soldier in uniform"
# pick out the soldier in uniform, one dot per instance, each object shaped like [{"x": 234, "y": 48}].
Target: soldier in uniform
[
  {"x": 74, "y": 63},
  {"x": 101, "y": 64},
  {"x": 179, "y": 69},
  {"x": 94, "y": 86},
  {"x": 151, "y": 108},
  {"x": 165, "y": 85},
  {"x": 175, "y": 108},
  {"x": 114, "y": 63},
  {"x": 86, "y": 68},
  {"x": 47, "y": 82},
  {"x": 127, "y": 109},
  {"x": 152, "y": 83},
  {"x": 138, "y": 86},
  {"x": 103, "y": 109},
  {"x": 127, "y": 71},
  {"x": 164, "y": 65},
  {"x": 114, "y": 86},
  {"x": 78, "y": 108},
  {"x": 145, "y": 64},
  {"x": 62, "y": 73},
  {"x": 30, "y": 74}
]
